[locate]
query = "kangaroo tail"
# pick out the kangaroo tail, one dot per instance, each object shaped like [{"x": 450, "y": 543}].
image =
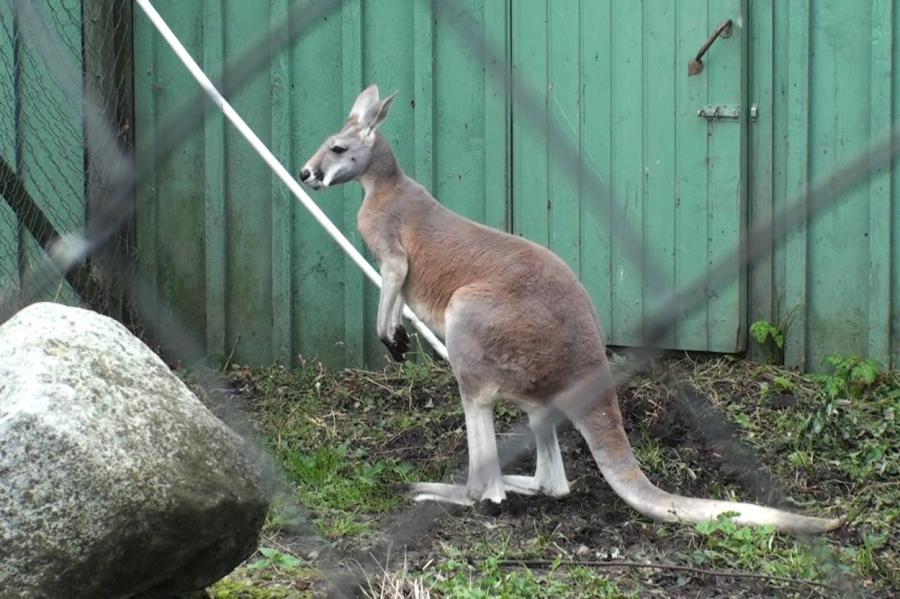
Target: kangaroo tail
[{"x": 600, "y": 423}]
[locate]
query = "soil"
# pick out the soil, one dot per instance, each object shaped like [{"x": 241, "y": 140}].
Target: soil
[{"x": 591, "y": 523}]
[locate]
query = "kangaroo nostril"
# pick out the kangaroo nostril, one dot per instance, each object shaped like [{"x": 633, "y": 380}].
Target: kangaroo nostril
[
  {"x": 304, "y": 174},
  {"x": 318, "y": 174}
]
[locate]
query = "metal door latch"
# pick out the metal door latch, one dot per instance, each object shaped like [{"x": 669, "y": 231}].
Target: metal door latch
[{"x": 725, "y": 112}]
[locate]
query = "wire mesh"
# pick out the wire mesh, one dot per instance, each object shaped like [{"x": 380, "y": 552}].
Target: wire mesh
[
  {"x": 50, "y": 183},
  {"x": 61, "y": 171}
]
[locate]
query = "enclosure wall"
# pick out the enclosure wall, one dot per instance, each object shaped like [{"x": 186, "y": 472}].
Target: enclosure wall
[
  {"x": 825, "y": 76},
  {"x": 235, "y": 258},
  {"x": 229, "y": 250}
]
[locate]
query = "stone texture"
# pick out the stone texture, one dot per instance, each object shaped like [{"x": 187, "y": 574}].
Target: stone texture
[{"x": 114, "y": 479}]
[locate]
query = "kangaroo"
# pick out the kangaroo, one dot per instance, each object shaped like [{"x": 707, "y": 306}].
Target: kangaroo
[{"x": 518, "y": 326}]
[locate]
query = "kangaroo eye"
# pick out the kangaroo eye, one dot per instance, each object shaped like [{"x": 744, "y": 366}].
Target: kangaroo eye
[{"x": 338, "y": 149}]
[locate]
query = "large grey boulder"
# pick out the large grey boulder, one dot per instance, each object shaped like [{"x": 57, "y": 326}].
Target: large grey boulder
[{"x": 115, "y": 480}]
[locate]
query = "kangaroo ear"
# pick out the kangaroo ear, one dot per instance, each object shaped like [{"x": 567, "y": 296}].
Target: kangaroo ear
[
  {"x": 384, "y": 107},
  {"x": 366, "y": 105}
]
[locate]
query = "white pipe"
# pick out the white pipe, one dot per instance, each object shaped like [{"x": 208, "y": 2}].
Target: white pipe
[{"x": 276, "y": 166}]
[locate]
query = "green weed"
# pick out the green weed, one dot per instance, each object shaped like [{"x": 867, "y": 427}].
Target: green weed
[{"x": 272, "y": 558}]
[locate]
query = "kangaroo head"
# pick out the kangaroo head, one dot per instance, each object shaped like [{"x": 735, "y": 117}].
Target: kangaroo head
[{"x": 346, "y": 155}]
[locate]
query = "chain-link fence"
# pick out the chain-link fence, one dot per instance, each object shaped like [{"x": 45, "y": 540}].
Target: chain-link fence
[
  {"x": 55, "y": 170},
  {"x": 66, "y": 173}
]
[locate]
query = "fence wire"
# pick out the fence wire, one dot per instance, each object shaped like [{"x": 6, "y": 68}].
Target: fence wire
[
  {"x": 67, "y": 178},
  {"x": 54, "y": 167}
]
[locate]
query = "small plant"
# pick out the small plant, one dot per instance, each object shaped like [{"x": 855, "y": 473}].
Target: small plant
[
  {"x": 769, "y": 336},
  {"x": 272, "y": 558},
  {"x": 851, "y": 375}
]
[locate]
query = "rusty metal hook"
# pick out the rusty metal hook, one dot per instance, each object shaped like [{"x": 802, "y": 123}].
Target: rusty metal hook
[{"x": 723, "y": 30}]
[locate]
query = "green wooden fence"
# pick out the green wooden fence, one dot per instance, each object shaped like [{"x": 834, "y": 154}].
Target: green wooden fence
[
  {"x": 41, "y": 140},
  {"x": 50, "y": 185},
  {"x": 235, "y": 258}
]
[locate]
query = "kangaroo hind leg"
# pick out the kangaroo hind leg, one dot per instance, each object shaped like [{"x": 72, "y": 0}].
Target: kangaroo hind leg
[
  {"x": 550, "y": 473},
  {"x": 485, "y": 481}
]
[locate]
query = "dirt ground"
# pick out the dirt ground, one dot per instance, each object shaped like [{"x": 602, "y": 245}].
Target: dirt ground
[{"x": 740, "y": 431}]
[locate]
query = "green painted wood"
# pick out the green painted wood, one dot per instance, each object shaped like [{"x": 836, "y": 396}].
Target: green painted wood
[
  {"x": 388, "y": 59},
  {"x": 250, "y": 256},
  {"x": 797, "y": 178},
  {"x": 622, "y": 98},
  {"x": 880, "y": 235},
  {"x": 725, "y": 195},
  {"x": 564, "y": 113},
  {"x": 832, "y": 96},
  {"x": 840, "y": 88},
  {"x": 614, "y": 75},
  {"x": 147, "y": 71},
  {"x": 893, "y": 358},
  {"x": 497, "y": 199},
  {"x": 171, "y": 214},
  {"x": 761, "y": 292},
  {"x": 51, "y": 134},
  {"x": 214, "y": 187},
  {"x": 529, "y": 142},
  {"x": 249, "y": 224},
  {"x": 693, "y": 26},
  {"x": 9, "y": 229},
  {"x": 660, "y": 67},
  {"x": 356, "y": 331},
  {"x": 423, "y": 95},
  {"x": 627, "y": 174},
  {"x": 465, "y": 156},
  {"x": 282, "y": 200},
  {"x": 597, "y": 151}
]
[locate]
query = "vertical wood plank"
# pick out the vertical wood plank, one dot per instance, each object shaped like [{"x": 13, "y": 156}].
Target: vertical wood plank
[
  {"x": 660, "y": 72},
  {"x": 354, "y": 282},
  {"x": 692, "y": 29},
  {"x": 880, "y": 190},
  {"x": 761, "y": 181},
  {"x": 461, "y": 128},
  {"x": 248, "y": 178},
  {"x": 497, "y": 124},
  {"x": 9, "y": 229},
  {"x": 797, "y": 179},
  {"x": 146, "y": 121},
  {"x": 530, "y": 140},
  {"x": 215, "y": 241},
  {"x": 725, "y": 223},
  {"x": 423, "y": 65},
  {"x": 51, "y": 132},
  {"x": 318, "y": 267},
  {"x": 627, "y": 170},
  {"x": 282, "y": 201},
  {"x": 840, "y": 54},
  {"x": 596, "y": 146},
  {"x": 564, "y": 90},
  {"x": 108, "y": 68}
]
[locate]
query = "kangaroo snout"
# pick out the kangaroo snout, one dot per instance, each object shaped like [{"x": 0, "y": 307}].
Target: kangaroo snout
[{"x": 306, "y": 173}]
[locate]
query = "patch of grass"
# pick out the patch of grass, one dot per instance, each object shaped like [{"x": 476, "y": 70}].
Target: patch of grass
[
  {"x": 457, "y": 577},
  {"x": 724, "y": 544},
  {"x": 838, "y": 437},
  {"x": 270, "y": 574},
  {"x": 341, "y": 437}
]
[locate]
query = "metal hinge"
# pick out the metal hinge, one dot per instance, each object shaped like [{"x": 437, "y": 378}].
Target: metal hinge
[{"x": 725, "y": 112}]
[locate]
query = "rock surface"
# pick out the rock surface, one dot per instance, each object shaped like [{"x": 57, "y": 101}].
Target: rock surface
[{"x": 114, "y": 479}]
